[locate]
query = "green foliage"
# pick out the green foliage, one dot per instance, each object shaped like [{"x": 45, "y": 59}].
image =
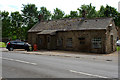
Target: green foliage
[
  {"x": 118, "y": 48},
  {"x": 30, "y": 16},
  {"x": 109, "y": 11},
  {"x": 117, "y": 20},
  {"x": 45, "y": 13},
  {"x": 16, "y": 25},
  {"x": 5, "y": 23},
  {"x": 101, "y": 12},
  {"x": 58, "y": 14},
  {"x": 89, "y": 11},
  {"x": 67, "y": 16},
  {"x": 73, "y": 14},
  {"x": 2, "y": 44}
]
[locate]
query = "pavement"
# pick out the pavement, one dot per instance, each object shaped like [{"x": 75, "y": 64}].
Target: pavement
[
  {"x": 108, "y": 57},
  {"x": 95, "y": 56}
]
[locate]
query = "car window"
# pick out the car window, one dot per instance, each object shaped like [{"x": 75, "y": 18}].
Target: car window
[
  {"x": 20, "y": 43},
  {"x": 13, "y": 42}
]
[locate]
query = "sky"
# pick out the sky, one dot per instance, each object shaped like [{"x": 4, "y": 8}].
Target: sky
[{"x": 65, "y": 5}]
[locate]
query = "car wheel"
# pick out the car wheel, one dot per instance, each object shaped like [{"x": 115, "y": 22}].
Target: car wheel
[
  {"x": 28, "y": 49},
  {"x": 11, "y": 49}
]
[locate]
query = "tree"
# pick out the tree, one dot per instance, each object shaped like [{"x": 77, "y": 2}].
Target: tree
[
  {"x": 45, "y": 13},
  {"x": 89, "y": 11},
  {"x": 117, "y": 20},
  {"x": 109, "y": 11},
  {"x": 58, "y": 14},
  {"x": 5, "y": 24},
  {"x": 101, "y": 12},
  {"x": 73, "y": 14},
  {"x": 67, "y": 16},
  {"x": 30, "y": 16},
  {"x": 16, "y": 24}
]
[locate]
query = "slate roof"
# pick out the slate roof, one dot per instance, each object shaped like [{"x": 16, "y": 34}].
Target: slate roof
[{"x": 72, "y": 24}]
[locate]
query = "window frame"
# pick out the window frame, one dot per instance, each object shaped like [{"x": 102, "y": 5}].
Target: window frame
[
  {"x": 97, "y": 43},
  {"x": 82, "y": 40},
  {"x": 40, "y": 41},
  {"x": 60, "y": 42},
  {"x": 69, "y": 42}
]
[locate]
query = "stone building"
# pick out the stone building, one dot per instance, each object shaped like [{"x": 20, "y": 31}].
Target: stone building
[
  {"x": 96, "y": 35},
  {"x": 119, "y": 33}
]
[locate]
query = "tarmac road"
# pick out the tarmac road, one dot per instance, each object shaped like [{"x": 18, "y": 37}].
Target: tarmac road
[{"x": 15, "y": 65}]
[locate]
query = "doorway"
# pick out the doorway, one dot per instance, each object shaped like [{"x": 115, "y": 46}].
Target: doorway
[{"x": 111, "y": 42}]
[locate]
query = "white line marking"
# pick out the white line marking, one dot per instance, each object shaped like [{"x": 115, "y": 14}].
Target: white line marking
[
  {"x": 19, "y": 61},
  {"x": 87, "y": 74}
]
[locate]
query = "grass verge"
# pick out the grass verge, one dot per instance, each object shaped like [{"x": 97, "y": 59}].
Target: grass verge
[
  {"x": 118, "y": 48},
  {"x": 2, "y": 44}
]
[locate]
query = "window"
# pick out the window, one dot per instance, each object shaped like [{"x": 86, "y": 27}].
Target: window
[
  {"x": 69, "y": 42},
  {"x": 14, "y": 42},
  {"x": 59, "y": 42},
  {"x": 82, "y": 40},
  {"x": 20, "y": 43},
  {"x": 96, "y": 43},
  {"x": 40, "y": 41},
  {"x": 48, "y": 39}
]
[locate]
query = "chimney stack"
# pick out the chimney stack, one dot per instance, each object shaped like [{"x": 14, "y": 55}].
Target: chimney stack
[{"x": 83, "y": 14}]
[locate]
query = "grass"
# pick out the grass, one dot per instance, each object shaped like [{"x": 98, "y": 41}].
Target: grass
[
  {"x": 2, "y": 44},
  {"x": 118, "y": 48}
]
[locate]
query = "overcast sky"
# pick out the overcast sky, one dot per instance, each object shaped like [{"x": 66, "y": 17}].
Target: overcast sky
[{"x": 65, "y": 5}]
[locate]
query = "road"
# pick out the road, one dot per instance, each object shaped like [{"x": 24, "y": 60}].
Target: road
[{"x": 16, "y": 65}]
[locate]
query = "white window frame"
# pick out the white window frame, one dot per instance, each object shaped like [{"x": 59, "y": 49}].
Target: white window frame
[{"x": 96, "y": 43}]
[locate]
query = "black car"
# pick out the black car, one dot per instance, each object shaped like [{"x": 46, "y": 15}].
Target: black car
[{"x": 11, "y": 45}]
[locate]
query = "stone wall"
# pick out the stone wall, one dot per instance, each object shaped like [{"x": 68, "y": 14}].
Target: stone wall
[
  {"x": 43, "y": 43},
  {"x": 119, "y": 32},
  {"x": 32, "y": 36},
  {"x": 112, "y": 31},
  {"x": 87, "y": 46}
]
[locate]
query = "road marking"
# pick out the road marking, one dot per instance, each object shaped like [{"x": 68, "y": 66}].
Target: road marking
[
  {"x": 87, "y": 74},
  {"x": 19, "y": 61}
]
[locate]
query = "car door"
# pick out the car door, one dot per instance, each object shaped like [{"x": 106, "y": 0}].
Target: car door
[
  {"x": 20, "y": 45},
  {"x": 14, "y": 44}
]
